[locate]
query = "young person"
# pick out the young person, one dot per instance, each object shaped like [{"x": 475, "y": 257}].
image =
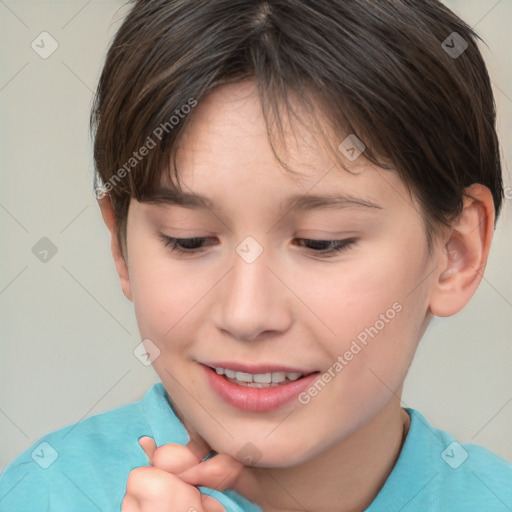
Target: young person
[{"x": 293, "y": 190}]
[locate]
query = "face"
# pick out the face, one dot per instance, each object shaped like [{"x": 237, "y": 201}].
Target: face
[{"x": 261, "y": 290}]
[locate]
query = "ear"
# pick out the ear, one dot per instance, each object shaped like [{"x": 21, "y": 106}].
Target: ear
[
  {"x": 107, "y": 213},
  {"x": 463, "y": 255}
]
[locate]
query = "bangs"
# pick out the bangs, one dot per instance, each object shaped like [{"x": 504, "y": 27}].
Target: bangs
[{"x": 374, "y": 70}]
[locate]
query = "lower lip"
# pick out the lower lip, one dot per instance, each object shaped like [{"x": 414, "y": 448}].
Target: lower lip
[{"x": 257, "y": 399}]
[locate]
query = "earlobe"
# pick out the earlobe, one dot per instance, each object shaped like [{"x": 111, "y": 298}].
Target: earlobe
[
  {"x": 107, "y": 213},
  {"x": 462, "y": 260}
]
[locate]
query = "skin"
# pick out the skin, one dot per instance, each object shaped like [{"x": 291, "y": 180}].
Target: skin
[
  {"x": 293, "y": 305},
  {"x": 169, "y": 482}
]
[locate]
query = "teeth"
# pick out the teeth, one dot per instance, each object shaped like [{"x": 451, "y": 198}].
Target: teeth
[
  {"x": 243, "y": 377},
  {"x": 262, "y": 378},
  {"x": 278, "y": 376},
  {"x": 258, "y": 380}
]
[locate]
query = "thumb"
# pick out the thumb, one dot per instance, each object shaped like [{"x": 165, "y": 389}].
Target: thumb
[
  {"x": 220, "y": 472},
  {"x": 149, "y": 446}
]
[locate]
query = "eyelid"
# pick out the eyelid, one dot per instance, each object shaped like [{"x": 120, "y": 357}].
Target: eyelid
[{"x": 340, "y": 245}]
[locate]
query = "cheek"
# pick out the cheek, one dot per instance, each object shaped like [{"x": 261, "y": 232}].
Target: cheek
[
  {"x": 373, "y": 309},
  {"x": 167, "y": 296},
  {"x": 159, "y": 291},
  {"x": 351, "y": 295}
]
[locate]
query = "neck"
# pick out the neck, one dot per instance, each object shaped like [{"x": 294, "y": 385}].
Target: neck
[{"x": 345, "y": 478}]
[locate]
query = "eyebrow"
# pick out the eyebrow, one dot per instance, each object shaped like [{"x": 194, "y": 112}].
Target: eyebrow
[{"x": 297, "y": 202}]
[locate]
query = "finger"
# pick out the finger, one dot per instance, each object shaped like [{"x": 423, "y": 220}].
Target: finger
[
  {"x": 174, "y": 458},
  {"x": 151, "y": 486},
  {"x": 149, "y": 446},
  {"x": 220, "y": 472},
  {"x": 210, "y": 504},
  {"x": 129, "y": 504}
]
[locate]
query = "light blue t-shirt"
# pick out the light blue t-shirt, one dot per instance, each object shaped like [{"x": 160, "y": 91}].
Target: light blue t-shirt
[{"x": 84, "y": 467}]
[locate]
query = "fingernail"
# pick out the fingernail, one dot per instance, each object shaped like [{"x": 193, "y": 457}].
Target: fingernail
[{"x": 209, "y": 455}]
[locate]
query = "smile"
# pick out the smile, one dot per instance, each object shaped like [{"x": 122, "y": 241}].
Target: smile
[
  {"x": 258, "y": 380},
  {"x": 261, "y": 390}
]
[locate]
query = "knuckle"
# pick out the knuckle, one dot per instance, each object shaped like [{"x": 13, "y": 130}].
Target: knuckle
[
  {"x": 147, "y": 481},
  {"x": 173, "y": 457},
  {"x": 167, "y": 451},
  {"x": 135, "y": 476}
]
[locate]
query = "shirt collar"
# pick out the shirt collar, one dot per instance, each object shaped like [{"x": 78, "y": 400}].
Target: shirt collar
[
  {"x": 415, "y": 471},
  {"x": 163, "y": 421}
]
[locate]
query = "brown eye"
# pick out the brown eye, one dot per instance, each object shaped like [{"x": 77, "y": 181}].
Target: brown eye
[
  {"x": 183, "y": 245},
  {"x": 328, "y": 246}
]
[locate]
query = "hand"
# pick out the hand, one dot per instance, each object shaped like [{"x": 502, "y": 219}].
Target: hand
[{"x": 168, "y": 484}]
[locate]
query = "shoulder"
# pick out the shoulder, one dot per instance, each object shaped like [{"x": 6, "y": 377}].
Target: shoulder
[
  {"x": 436, "y": 473},
  {"x": 85, "y": 466},
  {"x": 478, "y": 476},
  {"x": 98, "y": 434},
  {"x": 465, "y": 476},
  {"x": 81, "y": 463}
]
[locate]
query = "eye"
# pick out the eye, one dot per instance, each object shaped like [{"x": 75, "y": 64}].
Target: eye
[
  {"x": 333, "y": 246},
  {"x": 183, "y": 245},
  {"x": 193, "y": 245}
]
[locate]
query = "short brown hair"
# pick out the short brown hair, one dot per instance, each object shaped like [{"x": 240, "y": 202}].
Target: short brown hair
[{"x": 381, "y": 67}]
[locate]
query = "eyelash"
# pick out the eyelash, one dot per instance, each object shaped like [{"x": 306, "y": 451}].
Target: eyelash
[{"x": 340, "y": 245}]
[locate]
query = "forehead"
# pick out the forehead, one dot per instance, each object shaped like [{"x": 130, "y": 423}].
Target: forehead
[
  {"x": 224, "y": 153},
  {"x": 229, "y": 121}
]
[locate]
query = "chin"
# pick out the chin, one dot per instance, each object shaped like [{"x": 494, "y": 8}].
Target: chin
[
  {"x": 261, "y": 454},
  {"x": 284, "y": 460}
]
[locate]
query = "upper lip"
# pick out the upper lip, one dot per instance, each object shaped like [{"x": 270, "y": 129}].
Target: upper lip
[{"x": 255, "y": 369}]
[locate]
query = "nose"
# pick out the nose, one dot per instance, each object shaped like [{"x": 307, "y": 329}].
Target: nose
[{"x": 252, "y": 301}]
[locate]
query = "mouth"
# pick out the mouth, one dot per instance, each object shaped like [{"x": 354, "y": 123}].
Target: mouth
[
  {"x": 257, "y": 389},
  {"x": 258, "y": 380}
]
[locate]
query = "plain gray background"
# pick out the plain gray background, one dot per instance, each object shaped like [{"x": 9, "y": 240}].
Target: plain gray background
[{"x": 67, "y": 331}]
